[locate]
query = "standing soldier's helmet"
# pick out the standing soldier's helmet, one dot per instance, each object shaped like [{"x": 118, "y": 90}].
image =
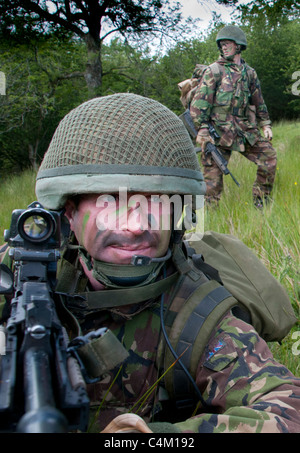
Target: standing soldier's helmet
[
  {"x": 232, "y": 33},
  {"x": 121, "y": 140}
]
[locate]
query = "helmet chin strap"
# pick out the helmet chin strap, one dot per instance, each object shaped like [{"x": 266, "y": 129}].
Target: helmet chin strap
[
  {"x": 142, "y": 260},
  {"x": 142, "y": 270}
]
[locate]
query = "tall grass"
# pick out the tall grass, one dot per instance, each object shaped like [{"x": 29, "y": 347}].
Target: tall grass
[
  {"x": 273, "y": 234},
  {"x": 16, "y": 192}
]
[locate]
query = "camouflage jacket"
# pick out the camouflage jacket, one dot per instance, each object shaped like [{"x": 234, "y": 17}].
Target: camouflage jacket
[
  {"x": 232, "y": 100},
  {"x": 244, "y": 388}
]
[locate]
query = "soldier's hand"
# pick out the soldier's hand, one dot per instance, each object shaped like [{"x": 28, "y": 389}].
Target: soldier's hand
[
  {"x": 203, "y": 137},
  {"x": 127, "y": 423},
  {"x": 267, "y": 131}
]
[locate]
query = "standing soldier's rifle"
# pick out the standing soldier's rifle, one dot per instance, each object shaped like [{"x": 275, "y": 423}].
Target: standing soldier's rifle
[
  {"x": 210, "y": 148},
  {"x": 219, "y": 159}
]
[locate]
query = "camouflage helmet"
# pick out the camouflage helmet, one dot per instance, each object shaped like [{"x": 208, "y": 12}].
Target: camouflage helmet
[
  {"x": 121, "y": 140},
  {"x": 232, "y": 33}
]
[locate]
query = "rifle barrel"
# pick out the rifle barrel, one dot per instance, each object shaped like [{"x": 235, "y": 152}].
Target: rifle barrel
[
  {"x": 219, "y": 160},
  {"x": 41, "y": 416}
]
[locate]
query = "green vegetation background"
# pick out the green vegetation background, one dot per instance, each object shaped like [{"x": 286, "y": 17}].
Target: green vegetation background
[{"x": 45, "y": 78}]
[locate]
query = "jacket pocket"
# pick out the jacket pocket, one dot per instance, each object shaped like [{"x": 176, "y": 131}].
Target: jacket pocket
[{"x": 224, "y": 93}]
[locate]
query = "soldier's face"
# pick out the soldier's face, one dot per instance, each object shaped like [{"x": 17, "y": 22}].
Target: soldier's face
[
  {"x": 113, "y": 229},
  {"x": 228, "y": 48}
]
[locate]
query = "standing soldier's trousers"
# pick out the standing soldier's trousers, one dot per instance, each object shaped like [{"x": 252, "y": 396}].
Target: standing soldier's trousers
[{"x": 262, "y": 154}]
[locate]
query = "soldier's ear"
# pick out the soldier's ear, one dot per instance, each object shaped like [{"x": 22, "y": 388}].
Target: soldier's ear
[{"x": 70, "y": 209}]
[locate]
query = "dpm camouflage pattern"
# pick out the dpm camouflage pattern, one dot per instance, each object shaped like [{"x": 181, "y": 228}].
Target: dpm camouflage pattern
[
  {"x": 262, "y": 154},
  {"x": 232, "y": 101},
  {"x": 224, "y": 100},
  {"x": 140, "y": 336},
  {"x": 244, "y": 388}
]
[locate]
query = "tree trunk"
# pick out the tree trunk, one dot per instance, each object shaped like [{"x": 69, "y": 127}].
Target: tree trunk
[
  {"x": 93, "y": 72},
  {"x": 32, "y": 154}
]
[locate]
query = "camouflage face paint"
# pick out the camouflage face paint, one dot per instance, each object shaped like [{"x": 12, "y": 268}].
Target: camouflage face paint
[
  {"x": 228, "y": 48},
  {"x": 84, "y": 223}
]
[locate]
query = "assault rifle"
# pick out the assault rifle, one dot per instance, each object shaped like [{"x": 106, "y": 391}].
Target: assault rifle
[
  {"x": 210, "y": 148},
  {"x": 221, "y": 162},
  {"x": 43, "y": 376},
  {"x": 41, "y": 389}
]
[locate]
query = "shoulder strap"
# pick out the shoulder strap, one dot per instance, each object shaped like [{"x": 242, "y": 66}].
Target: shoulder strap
[
  {"x": 198, "y": 307},
  {"x": 215, "y": 68},
  {"x": 216, "y": 71},
  {"x": 257, "y": 291}
]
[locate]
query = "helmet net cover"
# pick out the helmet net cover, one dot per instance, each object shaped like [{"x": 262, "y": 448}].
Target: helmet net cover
[{"x": 118, "y": 140}]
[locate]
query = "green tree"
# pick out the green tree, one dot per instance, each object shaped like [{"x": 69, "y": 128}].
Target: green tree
[
  {"x": 272, "y": 51},
  {"x": 292, "y": 68},
  {"x": 43, "y": 83},
  {"x": 178, "y": 64},
  {"x": 274, "y": 12},
  {"x": 127, "y": 68},
  {"x": 92, "y": 21}
]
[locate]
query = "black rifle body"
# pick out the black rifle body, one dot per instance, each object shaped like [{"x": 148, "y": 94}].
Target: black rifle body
[
  {"x": 41, "y": 387},
  {"x": 210, "y": 147}
]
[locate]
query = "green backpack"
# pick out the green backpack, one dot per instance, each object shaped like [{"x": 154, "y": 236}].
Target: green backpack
[{"x": 238, "y": 281}]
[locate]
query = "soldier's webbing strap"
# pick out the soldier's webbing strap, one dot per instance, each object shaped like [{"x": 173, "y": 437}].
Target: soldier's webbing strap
[{"x": 190, "y": 333}]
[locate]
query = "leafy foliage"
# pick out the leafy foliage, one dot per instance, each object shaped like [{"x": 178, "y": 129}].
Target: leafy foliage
[
  {"x": 46, "y": 66},
  {"x": 91, "y": 21},
  {"x": 42, "y": 86}
]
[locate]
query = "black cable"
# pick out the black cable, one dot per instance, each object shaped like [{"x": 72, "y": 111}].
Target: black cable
[{"x": 175, "y": 355}]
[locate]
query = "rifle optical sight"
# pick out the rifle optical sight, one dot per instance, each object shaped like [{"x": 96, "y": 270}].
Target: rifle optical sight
[{"x": 36, "y": 225}]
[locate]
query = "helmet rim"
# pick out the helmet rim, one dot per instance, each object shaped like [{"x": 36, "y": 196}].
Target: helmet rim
[{"x": 52, "y": 193}]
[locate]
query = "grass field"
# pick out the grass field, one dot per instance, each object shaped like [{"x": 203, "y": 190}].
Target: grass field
[{"x": 273, "y": 234}]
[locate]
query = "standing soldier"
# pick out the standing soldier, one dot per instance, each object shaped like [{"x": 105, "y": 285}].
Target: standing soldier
[{"x": 229, "y": 97}]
